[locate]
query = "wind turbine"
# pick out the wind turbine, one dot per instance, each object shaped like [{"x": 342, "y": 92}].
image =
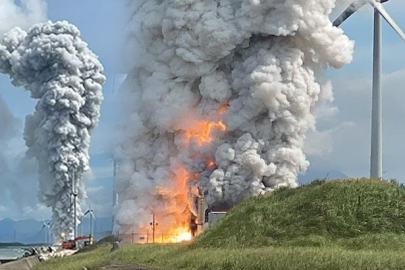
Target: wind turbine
[
  {"x": 376, "y": 121},
  {"x": 47, "y": 227},
  {"x": 92, "y": 217},
  {"x": 74, "y": 195}
]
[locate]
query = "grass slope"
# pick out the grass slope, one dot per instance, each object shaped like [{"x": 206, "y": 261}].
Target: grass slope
[
  {"x": 320, "y": 211},
  {"x": 265, "y": 258},
  {"x": 356, "y": 224}
]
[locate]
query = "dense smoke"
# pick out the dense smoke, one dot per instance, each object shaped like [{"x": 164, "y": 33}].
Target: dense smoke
[
  {"x": 253, "y": 66},
  {"x": 58, "y": 69},
  {"x": 9, "y": 127}
]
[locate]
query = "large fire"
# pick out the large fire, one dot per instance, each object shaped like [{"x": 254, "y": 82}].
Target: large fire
[
  {"x": 172, "y": 226},
  {"x": 178, "y": 228},
  {"x": 203, "y": 131},
  {"x": 179, "y": 231},
  {"x": 177, "y": 235}
]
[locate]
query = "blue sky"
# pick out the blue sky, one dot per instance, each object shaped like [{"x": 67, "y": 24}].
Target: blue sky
[
  {"x": 342, "y": 143},
  {"x": 352, "y": 88},
  {"x": 101, "y": 23}
]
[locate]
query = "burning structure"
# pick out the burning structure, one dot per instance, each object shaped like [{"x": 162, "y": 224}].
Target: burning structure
[
  {"x": 219, "y": 97},
  {"x": 56, "y": 66}
]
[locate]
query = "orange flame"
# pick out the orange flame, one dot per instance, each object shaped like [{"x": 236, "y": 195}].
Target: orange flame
[
  {"x": 203, "y": 131},
  {"x": 177, "y": 195},
  {"x": 178, "y": 235},
  {"x": 177, "y": 228},
  {"x": 223, "y": 108}
]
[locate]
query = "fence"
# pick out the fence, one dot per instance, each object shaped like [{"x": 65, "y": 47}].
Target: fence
[{"x": 148, "y": 237}]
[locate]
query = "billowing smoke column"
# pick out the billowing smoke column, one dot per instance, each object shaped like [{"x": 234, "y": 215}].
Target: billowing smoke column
[
  {"x": 23, "y": 13},
  {"x": 220, "y": 96},
  {"x": 56, "y": 66}
]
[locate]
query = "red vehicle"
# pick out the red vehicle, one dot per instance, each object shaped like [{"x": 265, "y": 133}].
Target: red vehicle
[{"x": 72, "y": 244}]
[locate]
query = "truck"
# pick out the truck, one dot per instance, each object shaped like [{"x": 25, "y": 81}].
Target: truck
[{"x": 72, "y": 244}]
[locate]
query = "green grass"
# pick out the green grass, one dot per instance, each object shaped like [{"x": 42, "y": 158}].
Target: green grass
[
  {"x": 358, "y": 224},
  {"x": 92, "y": 259},
  {"x": 326, "y": 210},
  {"x": 182, "y": 257}
]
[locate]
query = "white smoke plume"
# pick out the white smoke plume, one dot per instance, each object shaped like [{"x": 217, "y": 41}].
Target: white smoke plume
[
  {"x": 57, "y": 68},
  {"x": 254, "y": 66},
  {"x": 24, "y": 15},
  {"x": 9, "y": 127}
]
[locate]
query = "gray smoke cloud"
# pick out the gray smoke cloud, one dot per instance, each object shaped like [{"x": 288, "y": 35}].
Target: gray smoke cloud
[
  {"x": 253, "y": 66},
  {"x": 9, "y": 127},
  {"x": 57, "y": 68}
]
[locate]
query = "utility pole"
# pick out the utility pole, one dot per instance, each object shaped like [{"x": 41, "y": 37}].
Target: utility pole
[
  {"x": 376, "y": 122},
  {"x": 153, "y": 224},
  {"x": 154, "y": 229}
]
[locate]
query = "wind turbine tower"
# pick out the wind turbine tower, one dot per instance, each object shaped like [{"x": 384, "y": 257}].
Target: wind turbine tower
[
  {"x": 74, "y": 204},
  {"x": 376, "y": 117},
  {"x": 92, "y": 217}
]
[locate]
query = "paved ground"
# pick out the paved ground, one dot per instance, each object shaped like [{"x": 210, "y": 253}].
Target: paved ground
[{"x": 23, "y": 264}]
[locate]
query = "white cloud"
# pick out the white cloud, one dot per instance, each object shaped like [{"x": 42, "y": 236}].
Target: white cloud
[
  {"x": 18, "y": 190},
  {"x": 100, "y": 200},
  {"x": 100, "y": 172},
  {"x": 350, "y": 136},
  {"x": 38, "y": 212},
  {"x": 28, "y": 13},
  {"x": 319, "y": 143}
]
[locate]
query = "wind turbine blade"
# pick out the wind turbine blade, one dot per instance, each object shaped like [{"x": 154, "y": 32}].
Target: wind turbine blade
[
  {"x": 353, "y": 8},
  {"x": 380, "y": 8}
]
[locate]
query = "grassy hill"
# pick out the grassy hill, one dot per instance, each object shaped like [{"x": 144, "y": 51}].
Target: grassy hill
[
  {"x": 356, "y": 224},
  {"x": 317, "y": 213}
]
